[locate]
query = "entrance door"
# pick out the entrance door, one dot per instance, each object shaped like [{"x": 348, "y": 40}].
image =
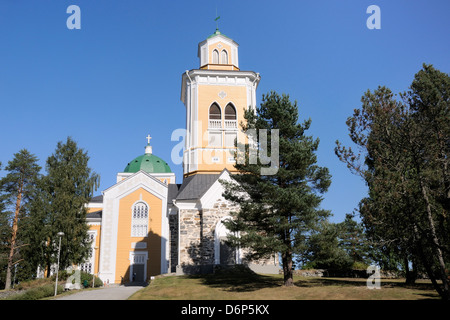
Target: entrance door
[
  {"x": 138, "y": 267},
  {"x": 227, "y": 253},
  {"x": 138, "y": 273}
]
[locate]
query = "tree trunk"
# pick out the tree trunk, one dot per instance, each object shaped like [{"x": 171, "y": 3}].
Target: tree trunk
[
  {"x": 411, "y": 275},
  {"x": 49, "y": 264},
  {"x": 13, "y": 238},
  {"x": 287, "y": 269},
  {"x": 445, "y": 294}
]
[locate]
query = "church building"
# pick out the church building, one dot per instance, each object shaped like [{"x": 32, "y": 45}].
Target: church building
[{"x": 146, "y": 224}]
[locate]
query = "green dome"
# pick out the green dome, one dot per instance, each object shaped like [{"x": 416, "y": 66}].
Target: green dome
[{"x": 148, "y": 163}]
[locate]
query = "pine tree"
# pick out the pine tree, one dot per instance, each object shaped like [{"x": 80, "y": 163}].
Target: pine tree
[
  {"x": 429, "y": 98},
  {"x": 37, "y": 229},
  {"x": 352, "y": 240},
  {"x": 5, "y": 234},
  {"x": 405, "y": 150},
  {"x": 17, "y": 187},
  {"x": 279, "y": 208},
  {"x": 324, "y": 250},
  {"x": 64, "y": 192}
]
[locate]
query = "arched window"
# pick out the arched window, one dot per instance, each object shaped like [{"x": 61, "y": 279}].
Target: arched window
[
  {"x": 230, "y": 117},
  {"x": 215, "y": 56},
  {"x": 224, "y": 57},
  {"x": 214, "y": 112},
  {"x": 215, "y": 117},
  {"x": 230, "y": 112},
  {"x": 139, "y": 219}
]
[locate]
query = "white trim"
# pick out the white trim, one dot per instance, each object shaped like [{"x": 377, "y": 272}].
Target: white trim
[
  {"x": 221, "y": 231},
  {"x": 132, "y": 218},
  {"x": 214, "y": 193},
  {"x": 213, "y": 56},
  {"x": 94, "y": 205},
  {"x": 187, "y": 204},
  {"x": 110, "y": 218},
  {"x": 227, "y": 56},
  {"x": 92, "y": 258}
]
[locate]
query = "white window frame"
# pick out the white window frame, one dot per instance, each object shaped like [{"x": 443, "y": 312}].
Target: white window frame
[
  {"x": 215, "y": 56},
  {"x": 139, "y": 224},
  {"x": 224, "y": 56},
  {"x": 89, "y": 264}
]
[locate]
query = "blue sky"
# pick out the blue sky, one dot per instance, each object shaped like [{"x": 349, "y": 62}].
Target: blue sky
[{"x": 118, "y": 78}]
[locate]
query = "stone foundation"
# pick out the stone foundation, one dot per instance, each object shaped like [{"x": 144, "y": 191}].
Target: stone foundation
[{"x": 198, "y": 236}]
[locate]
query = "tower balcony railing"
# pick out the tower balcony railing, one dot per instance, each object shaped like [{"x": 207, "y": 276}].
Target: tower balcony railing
[
  {"x": 215, "y": 124},
  {"x": 230, "y": 124}
]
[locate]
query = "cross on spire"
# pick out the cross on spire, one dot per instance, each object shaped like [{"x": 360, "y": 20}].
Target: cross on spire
[
  {"x": 216, "y": 20},
  {"x": 148, "y": 139}
]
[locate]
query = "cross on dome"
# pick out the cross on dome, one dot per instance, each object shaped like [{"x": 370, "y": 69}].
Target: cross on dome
[{"x": 148, "y": 148}]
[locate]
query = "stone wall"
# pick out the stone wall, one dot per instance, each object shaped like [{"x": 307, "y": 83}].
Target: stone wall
[
  {"x": 190, "y": 234},
  {"x": 197, "y": 229},
  {"x": 197, "y": 238},
  {"x": 173, "y": 242}
]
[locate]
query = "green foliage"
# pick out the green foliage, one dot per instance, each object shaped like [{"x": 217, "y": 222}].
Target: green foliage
[
  {"x": 5, "y": 234},
  {"x": 59, "y": 206},
  {"x": 16, "y": 191},
  {"x": 353, "y": 240},
  {"x": 37, "y": 293},
  {"x": 23, "y": 171},
  {"x": 277, "y": 211},
  {"x": 404, "y": 158},
  {"x": 324, "y": 251},
  {"x": 84, "y": 277},
  {"x": 87, "y": 278},
  {"x": 337, "y": 246}
]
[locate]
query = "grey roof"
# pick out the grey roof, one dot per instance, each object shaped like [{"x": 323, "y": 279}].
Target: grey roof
[
  {"x": 94, "y": 215},
  {"x": 97, "y": 199},
  {"x": 172, "y": 192},
  {"x": 195, "y": 186}
]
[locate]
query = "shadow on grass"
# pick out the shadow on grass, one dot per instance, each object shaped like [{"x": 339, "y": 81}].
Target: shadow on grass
[
  {"x": 248, "y": 281},
  {"x": 359, "y": 282},
  {"x": 235, "y": 281}
]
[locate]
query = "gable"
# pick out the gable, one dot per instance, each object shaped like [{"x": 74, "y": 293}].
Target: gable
[
  {"x": 215, "y": 191},
  {"x": 140, "y": 179}
]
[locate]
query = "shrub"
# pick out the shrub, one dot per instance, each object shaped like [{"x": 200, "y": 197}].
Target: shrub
[
  {"x": 37, "y": 293},
  {"x": 84, "y": 276}
]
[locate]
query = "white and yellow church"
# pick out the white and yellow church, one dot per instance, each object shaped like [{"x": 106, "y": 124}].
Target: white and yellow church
[{"x": 146, "y": 224}]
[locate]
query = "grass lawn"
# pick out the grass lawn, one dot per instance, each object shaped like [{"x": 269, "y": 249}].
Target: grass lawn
[{"x": 246, "y": 286}]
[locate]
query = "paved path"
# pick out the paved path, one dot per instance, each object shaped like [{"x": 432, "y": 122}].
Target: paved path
[{"x": 108, "y": 293}]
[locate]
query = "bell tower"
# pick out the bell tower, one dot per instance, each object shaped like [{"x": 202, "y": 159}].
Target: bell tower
[{"x": 215, "y": 96}]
